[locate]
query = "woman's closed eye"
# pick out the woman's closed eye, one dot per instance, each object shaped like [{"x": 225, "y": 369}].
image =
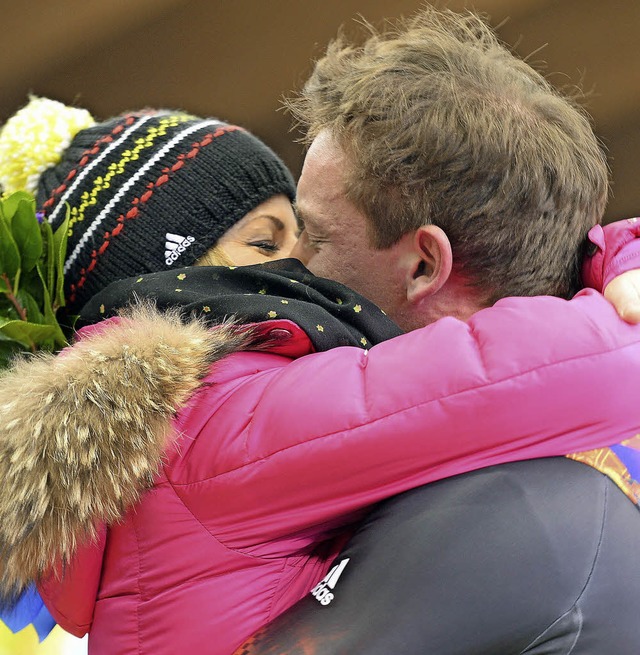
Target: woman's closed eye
[
  {"x": 267, "y": 232},
  {"x": 268, "y": 246}
]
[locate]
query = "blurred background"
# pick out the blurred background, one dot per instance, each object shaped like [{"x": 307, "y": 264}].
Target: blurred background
[{"x": 235, "y": 59}]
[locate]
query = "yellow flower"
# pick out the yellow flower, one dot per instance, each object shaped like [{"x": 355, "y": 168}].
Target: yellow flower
[
  {"x": 181, "y": 276},
  {"x": 272, "y": 314},
  {"x": 206, "y": 308},
  {"x": 139, "y": 279},
  {"x": 357, "y": 309},
  {"x": 319, "y": 328},
  {"x": 363, "y": 341},
  {"x": 263, "y": 292},
  {"x": 284, "y": 302},
  {"x": 102, "y": 309}
]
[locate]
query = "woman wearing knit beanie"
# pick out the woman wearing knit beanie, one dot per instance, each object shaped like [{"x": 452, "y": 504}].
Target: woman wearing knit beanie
[{"x": 147, "y": 191}]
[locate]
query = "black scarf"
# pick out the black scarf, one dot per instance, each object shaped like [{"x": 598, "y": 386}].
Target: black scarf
[{"x": 331, "y": 314}]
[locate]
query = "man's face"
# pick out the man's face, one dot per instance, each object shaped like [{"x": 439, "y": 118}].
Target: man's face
[{"x": 335, "y": 243}]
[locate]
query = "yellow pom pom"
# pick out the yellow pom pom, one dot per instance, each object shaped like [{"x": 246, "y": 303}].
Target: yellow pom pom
[{"x": 34, "y": 139}]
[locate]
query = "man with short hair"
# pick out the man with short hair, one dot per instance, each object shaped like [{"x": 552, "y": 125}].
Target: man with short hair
[
  {"x": 443, "y": 173},
  {"x": 453, "y": 163}
]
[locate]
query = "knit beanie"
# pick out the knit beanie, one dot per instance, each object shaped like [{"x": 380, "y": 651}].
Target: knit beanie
[{"x": 146, "y": 191}]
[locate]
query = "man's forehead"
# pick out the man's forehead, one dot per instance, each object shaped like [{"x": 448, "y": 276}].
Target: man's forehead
[
  {"x": 323, "y": 170},
  {"x": 306, "y": 216},
  {"x": 326, "y": 148}
]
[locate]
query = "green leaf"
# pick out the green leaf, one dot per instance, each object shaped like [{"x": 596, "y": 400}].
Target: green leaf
[
  {"x": 32, "y": 283},
  {"x": 28, "y": 334},
  {"x": 49, "y": 318},
  {"x": 27, "y": 234},
  {"x": 28, "y": 302},
  {"x": 9, "y": 254},
  {"x": 60, "y": 249},
  {"x": 49, "y": 258},
  {"x": 31, "y": 279},
  {"x": 10, "y": 204}
]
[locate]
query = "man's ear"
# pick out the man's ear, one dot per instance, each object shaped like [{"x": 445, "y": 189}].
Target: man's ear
[{"x": 432, "y": 262}]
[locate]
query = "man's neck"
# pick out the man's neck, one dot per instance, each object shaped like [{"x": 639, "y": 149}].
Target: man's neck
[{"x": 456, "y": 298}]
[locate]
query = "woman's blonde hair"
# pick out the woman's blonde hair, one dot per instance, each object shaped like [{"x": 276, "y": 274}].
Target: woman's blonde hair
[{"x": 215, "y": 256}]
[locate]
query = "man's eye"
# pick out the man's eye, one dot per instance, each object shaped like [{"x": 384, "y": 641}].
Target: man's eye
[
  {"x": 314, "y": 243},
  {"x": 265, "y": 246},
  {"x": 310, "y": 241}
]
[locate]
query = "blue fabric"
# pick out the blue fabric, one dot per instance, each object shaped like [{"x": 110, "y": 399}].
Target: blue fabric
[
  {"x": 29, "y": 609},
  {"x": 630, "y": 457}
]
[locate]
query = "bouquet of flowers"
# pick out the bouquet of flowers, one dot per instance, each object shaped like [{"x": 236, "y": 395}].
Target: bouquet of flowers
[{"x": 31, "y": 278}]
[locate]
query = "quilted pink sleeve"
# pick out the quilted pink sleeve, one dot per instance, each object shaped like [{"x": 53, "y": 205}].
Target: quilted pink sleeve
[
  {"x": 617, "y": 250},
  {"x": 331, "y": 433}
]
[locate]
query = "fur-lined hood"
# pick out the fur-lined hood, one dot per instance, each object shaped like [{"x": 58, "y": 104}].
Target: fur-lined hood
[{"x": 82, "y": 434}]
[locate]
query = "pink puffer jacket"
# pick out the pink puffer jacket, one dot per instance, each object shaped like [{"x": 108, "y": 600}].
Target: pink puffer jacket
[{"x": 278, "y": 453}]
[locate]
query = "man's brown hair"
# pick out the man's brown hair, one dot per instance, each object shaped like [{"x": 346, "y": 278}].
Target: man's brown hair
[{"x": 443, "y": 125}]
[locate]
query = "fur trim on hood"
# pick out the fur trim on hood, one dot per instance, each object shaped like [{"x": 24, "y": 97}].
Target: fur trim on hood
[{"x": 82, "y": 434}]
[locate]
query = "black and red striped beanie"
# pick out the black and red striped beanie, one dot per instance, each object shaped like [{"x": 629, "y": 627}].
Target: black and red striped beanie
[{"x": 152, "y": 190}]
